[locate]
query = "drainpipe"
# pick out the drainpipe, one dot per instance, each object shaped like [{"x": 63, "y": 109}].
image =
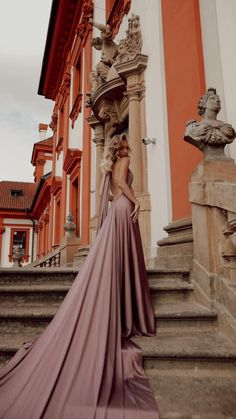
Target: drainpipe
[
  {"x": 32, "y": 247},
  {"x": 33, "y": 227}
]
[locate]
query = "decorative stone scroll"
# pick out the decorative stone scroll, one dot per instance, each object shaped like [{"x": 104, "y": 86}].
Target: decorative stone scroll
[
  {"x": 87, "y": 13},
  {"x": 53, "y": 123},
  {"x": 129, "y": 47},
  {"x": 210, "y": 135},
  {"x": 64, "y": 88}
]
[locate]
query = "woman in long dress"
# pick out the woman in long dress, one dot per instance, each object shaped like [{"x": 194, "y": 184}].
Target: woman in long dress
[{"x": 84, "y": 365}]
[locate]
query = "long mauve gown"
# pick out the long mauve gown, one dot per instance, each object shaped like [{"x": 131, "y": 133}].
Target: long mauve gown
[{"x": 84, "y": 366}]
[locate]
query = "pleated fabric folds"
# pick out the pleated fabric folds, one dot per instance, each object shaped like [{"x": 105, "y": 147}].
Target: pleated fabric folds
[{"x": 84, "y": 365}]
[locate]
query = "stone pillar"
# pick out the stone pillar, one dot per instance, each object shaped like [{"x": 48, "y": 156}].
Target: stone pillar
[
  {"x": 99, "y": 141},
  {"x": 212, "y": 195},
  {"x": 143, "y": 131},
  {"x": 132, "y": 71},
  {"x": 136, "y": 166}
]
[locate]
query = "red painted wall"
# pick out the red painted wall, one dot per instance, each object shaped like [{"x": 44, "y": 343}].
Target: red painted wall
[{"x": 185, "y": 83}]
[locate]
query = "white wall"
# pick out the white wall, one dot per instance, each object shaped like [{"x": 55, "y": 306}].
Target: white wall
[
  {"x": 218, "y": 26},
  {"x": 156, "y": 114},
  {"x": 76, "y": 133},
  {"x": 47, "y": 167},
  {"x": 59, "y": 164}
]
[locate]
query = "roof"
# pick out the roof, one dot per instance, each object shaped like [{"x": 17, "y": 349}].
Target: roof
[
  {"x": 48, "y": 141},
  {"x": 42, "y": 146},
  {"x": 64, "y": 18},
  {"x": 7, "y": 201}
]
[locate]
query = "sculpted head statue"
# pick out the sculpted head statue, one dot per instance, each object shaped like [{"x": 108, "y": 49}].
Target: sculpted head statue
[
  {"x": 210, "y": 134},
  {"x": 210, "y": 100}
]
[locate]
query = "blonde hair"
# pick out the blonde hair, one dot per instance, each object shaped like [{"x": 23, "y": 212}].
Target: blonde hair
[{"x": 111, "y": 152}]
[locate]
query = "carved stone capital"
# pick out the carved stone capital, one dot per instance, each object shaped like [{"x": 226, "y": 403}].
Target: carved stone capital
[
  {"x": 98, "y": 141},
  {"x": 133, "y": 91},
  {"x": 131, "y": 67}
]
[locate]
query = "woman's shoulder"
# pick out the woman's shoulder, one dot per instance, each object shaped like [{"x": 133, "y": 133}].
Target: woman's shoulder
[{"x": 124, "y": 161}]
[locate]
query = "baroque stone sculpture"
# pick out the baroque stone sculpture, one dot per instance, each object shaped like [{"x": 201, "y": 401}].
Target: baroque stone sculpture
[
  {"x": 209, "y": 135},
  {"x": 108, "y": 49},
  {"x": 129, "y": 47}
]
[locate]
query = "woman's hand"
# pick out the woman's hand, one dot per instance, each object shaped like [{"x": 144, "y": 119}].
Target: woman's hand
[{"x": 134, "y": 214}]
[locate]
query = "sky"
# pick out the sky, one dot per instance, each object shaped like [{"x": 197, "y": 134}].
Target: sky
[{"x": 23, "y": 31}]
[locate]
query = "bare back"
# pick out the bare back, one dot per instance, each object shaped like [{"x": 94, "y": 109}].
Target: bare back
[{"x": 118, "y": 174}]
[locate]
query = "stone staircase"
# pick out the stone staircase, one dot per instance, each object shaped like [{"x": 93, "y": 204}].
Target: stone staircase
[{"x": 190, "y": 363}]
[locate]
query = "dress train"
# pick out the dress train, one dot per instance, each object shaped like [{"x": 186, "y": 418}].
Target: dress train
[{"x": 84, "y": 365}]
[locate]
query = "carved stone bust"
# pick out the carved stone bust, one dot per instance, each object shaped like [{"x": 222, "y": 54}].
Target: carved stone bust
[{"x": 209, "y": 135}]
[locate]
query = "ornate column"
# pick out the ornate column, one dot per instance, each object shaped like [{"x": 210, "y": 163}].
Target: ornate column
[
  {"x": 133, "y": 91},
  {"x": 118, "y": 102},
  {"x": 99, "y": 141},
  {"x": 133, "y": 73}
]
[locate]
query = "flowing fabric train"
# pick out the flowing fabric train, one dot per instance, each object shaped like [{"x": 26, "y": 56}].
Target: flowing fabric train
[{"x": 84, "y": 365}]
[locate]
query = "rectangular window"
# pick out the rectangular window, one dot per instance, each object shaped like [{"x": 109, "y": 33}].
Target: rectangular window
[{"x": 19, "y": 240}]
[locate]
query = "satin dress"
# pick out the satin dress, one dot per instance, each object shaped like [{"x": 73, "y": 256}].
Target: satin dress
[{"x": 84, "y": 365}]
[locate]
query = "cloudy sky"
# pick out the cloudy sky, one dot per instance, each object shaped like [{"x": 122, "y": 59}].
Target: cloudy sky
[{"x": 23, "y": 30}]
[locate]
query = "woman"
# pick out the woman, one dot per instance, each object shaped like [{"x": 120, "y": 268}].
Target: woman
[{"x": 84, "y": 366}]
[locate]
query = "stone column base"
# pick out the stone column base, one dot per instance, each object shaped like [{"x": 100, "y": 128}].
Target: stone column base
[
  {"x": 176, "y": 250},
  {"x": 68, "y": 249}
]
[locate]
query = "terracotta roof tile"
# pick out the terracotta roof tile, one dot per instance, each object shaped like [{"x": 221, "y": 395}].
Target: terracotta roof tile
[{"x": 7, "y": 201}]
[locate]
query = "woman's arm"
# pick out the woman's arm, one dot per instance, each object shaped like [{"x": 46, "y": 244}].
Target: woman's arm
[
  {"x": 124, "y": 166},
  {"x": 102, "y": 184}
]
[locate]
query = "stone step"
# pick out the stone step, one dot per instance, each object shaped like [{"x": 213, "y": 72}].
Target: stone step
[
  {"x": 193, "y": 352},
  {"x": 43, "y": 293},
  {"x": 168, "y": 273},
  {"x": 163, "y": 290},
  {"x": 192, "y": 397},
  {"x": 37, "y": 275},
  {"x": 169, "y": 290},
  {"x": 186, "y": 316},
  {"x": 24, "y": 323},
  {"x": 61, "y": 275}
]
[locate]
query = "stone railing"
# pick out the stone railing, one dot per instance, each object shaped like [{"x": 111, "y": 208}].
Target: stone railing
[
  {"x": 51, "y": 260},
  {"x": 64, "y": 254}
]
